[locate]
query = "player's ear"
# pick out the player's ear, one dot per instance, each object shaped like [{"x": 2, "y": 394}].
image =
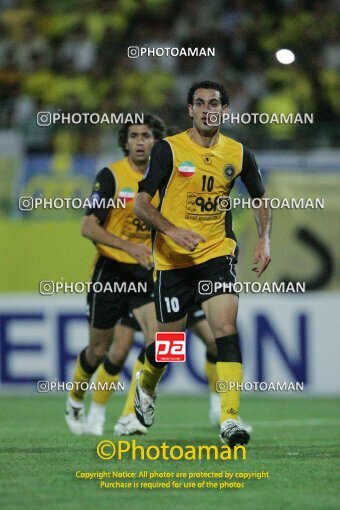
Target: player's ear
[
  {"x": 190, "y": 110},
  {"x": 225, "y": 108}
]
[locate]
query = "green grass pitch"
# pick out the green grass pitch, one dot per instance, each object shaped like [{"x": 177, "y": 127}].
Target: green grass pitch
[{"x": 296, "y": 440}]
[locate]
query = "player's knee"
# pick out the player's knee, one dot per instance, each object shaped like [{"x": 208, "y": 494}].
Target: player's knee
[
  {"x": 149, "y": 339},
  {"x": 225, "y": 328},
  {"x": 97, "y": 351},
  {"x": 117, "y": 356},
  {"x": 150, "y": 336}
]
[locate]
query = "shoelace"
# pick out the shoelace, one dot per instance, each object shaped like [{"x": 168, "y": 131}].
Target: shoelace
[{"x": 232, "y": 428}]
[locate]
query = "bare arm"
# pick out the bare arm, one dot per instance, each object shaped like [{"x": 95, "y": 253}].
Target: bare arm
[
  {"x": 92, "y": 230},
  {"x": 263, "y": 218},
  {"x": 152, "y": 217}
]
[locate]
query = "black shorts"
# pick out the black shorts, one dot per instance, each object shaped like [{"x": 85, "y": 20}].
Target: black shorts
[
  {"x": 177, "y": 290},
  {"x": 130, "y": 321},
  {"x": 132, "y": 287}
]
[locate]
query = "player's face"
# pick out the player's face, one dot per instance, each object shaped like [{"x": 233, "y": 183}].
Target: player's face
[
  {"x": 139, "y": 143},
  {"x": 206, "y": 101}
]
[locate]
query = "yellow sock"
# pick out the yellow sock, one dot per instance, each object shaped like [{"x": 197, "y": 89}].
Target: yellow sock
[
  {"x": 80, "y": 375},
  {"x": 101, "y": 396},
  {"x": 150, "y": 376},
  {"x": 211, "y": 374},
  {"x": 230, "y": 372},
  {"x": 128, "y": 408}
]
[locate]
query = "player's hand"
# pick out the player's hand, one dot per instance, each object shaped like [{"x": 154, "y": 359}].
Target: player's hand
[
  {"x": 141, "y": 253},
  {"x": 261, "y": 256},
  {"x": 185, "y": 238}
]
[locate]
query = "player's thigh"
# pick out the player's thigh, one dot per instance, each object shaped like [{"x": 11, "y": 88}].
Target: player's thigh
[
  {"x": 195, "y": 315},
  {"x": 121, "y": 345},
  {"x": 178, "y": 325},
  {"x": 203, "y": 330},
  {"x": 99, "y": 341},
  {"x": 221, "y": 313},
  {"x": 146, "y": 317}
]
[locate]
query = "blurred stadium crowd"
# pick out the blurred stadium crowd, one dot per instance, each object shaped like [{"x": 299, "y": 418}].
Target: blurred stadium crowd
[{"x": 72, "y": 55}]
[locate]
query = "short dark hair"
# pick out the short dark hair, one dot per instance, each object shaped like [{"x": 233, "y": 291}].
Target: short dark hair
[
  {"x": 206, "y": 84},
  {"x": 156, "y": 125}
]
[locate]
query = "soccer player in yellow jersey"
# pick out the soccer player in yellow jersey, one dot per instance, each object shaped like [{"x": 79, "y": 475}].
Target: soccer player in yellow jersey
[
  {"x": 193, "y": 243},
  {"x": 124, "y": 258},
  {"x": 136, "y": 142}
]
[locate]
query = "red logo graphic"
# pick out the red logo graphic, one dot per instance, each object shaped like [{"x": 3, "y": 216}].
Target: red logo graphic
[{"x": 170, "y": 347}]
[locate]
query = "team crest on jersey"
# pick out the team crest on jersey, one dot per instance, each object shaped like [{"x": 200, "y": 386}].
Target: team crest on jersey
[
  {"x": 207, "y": 158},
  {"x": 186, "y": 169},
  {"x": 229, "y": 171},
  {"x": 127, "y": 193}
]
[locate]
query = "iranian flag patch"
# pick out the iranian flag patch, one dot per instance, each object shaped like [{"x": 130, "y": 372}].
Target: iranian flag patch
[
  {"x": 127, "y": 193},
  {"x": 186, "y": 169}
]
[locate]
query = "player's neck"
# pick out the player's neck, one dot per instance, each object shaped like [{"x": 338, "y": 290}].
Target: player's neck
[
  {"x": 138, "y": 167},
  {"x": 201, "y": 139}
]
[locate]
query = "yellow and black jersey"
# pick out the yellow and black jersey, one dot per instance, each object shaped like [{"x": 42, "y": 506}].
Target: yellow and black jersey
[
  {"x": 191, "y": 179},
  {"x": 119, "y": 181}
]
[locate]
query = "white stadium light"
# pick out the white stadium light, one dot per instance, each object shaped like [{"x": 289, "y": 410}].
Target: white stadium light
[{"x": 285, "y": 56}]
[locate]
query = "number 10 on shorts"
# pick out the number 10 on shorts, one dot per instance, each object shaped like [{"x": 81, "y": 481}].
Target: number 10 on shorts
[{"x": 170, "y": 347}]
